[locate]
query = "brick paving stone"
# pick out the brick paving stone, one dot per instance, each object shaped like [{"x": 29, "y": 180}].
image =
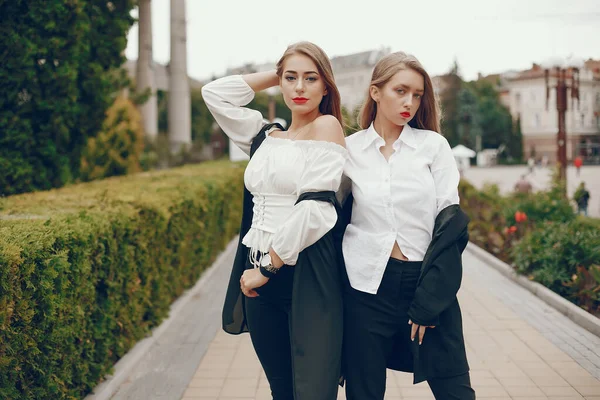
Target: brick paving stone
[{"x": 518, "y": 348}]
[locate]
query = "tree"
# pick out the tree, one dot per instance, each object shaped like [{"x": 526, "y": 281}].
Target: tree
[
  {"x": 452, "y": 83},
  {"x": 350, "y": 120},
  {"x": 261, "y": 103},
  {"x": 58, "y": 77},
  {"x": 468, "y": 123},
  {"x": 118, "y": 147},
  {"x": 202, "y": 120},
  {"x": 495, "y": 121},
  {"x": 515, "y": 145}
]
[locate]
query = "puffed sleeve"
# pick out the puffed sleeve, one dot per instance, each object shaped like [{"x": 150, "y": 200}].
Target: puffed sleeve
[
  {"x": 310, "y": 220},
  {"x": 226, "y": 98},
  {"x": 445, "y": 176}
]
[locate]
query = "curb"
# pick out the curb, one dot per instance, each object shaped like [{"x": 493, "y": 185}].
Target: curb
[
  {"x": 123, "y": 368},
  {"x": 565, "y": 307}
]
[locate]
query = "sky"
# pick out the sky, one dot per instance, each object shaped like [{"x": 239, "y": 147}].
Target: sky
[{"x": 484, "y": 36}]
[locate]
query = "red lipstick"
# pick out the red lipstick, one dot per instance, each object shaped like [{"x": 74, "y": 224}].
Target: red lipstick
[
  {"x": 405, "y": 115},
  {"x": 299, "y": 100}
]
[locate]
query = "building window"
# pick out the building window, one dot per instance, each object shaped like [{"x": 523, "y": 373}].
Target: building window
[
  {"x": 536, "y": 121},
  {"x": 582, "y": 120}
]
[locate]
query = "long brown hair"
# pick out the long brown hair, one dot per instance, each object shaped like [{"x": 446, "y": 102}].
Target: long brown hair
[
  {"x": 331, "y": 102},
  {"x": 428, "y": 114}
]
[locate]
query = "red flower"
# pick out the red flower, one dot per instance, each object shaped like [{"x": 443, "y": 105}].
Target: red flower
[
  {"x": 520, "y": 217},
  {"x": 506, "y": 231},
  {"x": 512, "y": 229}
]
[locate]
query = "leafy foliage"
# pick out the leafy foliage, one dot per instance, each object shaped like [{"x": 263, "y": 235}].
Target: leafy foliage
[
  {"x": 565, "y": 258},
  {"x": 118, "y": 147},
  {"x": 540, "y": 235},
  {"x": 88, "y": 270},
  {"x": 59, "y": 75}
]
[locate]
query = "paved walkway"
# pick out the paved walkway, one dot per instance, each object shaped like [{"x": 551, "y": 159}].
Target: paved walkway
[{"x": 518, "y": 348}]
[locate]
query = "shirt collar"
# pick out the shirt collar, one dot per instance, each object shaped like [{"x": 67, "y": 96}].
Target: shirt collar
[{"x": 408, "y": 136}]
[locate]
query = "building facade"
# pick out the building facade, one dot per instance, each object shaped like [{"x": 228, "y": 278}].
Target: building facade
[
  {"x": 528, "y": 101},
  {"x": 353, "y": 74}
]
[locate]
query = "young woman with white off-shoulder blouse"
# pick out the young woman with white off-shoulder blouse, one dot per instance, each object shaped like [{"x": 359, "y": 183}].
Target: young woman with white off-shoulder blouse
[{"x": 285, "y": 287}]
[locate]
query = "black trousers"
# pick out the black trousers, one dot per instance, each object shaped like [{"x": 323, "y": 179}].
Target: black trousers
[
  {"x": 371, "y": 325},
  {"x": 268, "y": 322}
]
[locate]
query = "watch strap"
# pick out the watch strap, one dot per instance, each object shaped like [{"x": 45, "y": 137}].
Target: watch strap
[{"x": 268, "y": 272}]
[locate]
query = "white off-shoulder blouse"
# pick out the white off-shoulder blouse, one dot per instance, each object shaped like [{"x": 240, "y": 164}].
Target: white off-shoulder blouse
[{"x": 278, "y": 173}]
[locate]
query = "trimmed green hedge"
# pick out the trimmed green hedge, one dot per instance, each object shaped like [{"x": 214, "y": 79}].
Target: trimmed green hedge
[{"x": 86, "y": 271}]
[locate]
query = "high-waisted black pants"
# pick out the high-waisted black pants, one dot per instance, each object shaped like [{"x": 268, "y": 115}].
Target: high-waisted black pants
[
  {"x": 372, "y": 322},
  {"x": 268, "y": 317}
]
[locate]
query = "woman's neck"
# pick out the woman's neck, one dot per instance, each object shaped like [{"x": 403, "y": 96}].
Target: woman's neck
[
  {"x": 299, "y": 121},
  {"x": 389, "y": 131}
]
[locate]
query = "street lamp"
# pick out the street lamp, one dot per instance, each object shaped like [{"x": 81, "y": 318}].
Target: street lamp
[{"x": 563, "y": 71}]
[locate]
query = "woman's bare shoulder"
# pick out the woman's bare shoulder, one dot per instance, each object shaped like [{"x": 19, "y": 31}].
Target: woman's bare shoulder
[{"x": 327, "y": 128}]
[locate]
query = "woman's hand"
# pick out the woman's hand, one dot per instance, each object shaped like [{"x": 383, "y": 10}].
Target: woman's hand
[
  {"x": 252, "y": 279},
  {"x": 420, "y": 329}
]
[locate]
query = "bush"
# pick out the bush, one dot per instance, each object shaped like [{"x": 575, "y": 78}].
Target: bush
[
  {"x": 549, "y": 205},
  {"x": 86, "y": 271},
  {"x": 118, "y": 147},
  {"x": 539, "y": 207},
  {"x": 485, "y": 209},
  {"x": 558, "y": 255},
  {"x": 540, "y": 235}
]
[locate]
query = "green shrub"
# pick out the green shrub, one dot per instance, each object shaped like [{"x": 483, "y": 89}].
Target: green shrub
[
  {"x": 117, "y": 148},
  {"x": 553, "y": 253},
  {"x": 539, "y": 207},
  {"x": 485, "y": 209},
  {"x": 86, "y": 271},
  {"x": 552, "y": 246}
]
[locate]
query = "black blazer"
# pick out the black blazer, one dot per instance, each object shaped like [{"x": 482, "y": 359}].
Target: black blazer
[{"x": 442, "y": 353}]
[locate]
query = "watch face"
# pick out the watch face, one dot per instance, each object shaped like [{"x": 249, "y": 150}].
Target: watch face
[{"x": 265, "y": 260}]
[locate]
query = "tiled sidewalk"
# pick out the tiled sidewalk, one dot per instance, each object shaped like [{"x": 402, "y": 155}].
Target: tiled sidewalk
[{"x": 509, "y": 358}]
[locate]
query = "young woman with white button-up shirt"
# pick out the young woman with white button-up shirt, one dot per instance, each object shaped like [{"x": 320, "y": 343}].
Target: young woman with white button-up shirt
[
  {"x": 288, "y": 265},
  {"x": 402, "y": 174}
]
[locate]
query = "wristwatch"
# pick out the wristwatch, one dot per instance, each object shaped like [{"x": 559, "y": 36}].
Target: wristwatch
[{"x": 266, "y": 267}]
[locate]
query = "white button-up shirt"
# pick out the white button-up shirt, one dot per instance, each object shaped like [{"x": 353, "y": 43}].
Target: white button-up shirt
[{"x": 395, "y": 200}]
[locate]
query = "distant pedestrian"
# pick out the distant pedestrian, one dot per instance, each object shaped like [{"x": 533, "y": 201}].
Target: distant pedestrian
[
  {"x": 523, "y": 185},
  {"x": 531, "y": 164},
  {"x": 582, "y": 198},
  {"x": 544, "y": 161},
  {"x": 578, "y": 162}
]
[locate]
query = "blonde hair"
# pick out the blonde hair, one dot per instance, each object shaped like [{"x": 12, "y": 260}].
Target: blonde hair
[
  {"x": 428, "y": 114},
  {"x": 331, "y": 102}
]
